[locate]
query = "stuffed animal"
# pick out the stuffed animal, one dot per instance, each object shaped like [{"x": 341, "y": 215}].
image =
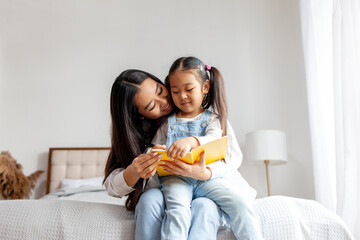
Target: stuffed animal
[{"x": 13, "y": 183}]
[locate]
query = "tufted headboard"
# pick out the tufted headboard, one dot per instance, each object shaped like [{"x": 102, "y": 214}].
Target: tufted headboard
[{"x": 74, "y": 163}]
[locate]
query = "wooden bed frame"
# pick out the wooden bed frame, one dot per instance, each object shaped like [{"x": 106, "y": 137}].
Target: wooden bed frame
[{"x": 74, "y": 163}]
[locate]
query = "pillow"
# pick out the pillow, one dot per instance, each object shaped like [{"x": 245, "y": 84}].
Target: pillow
[{"x": 74, "y": 183}]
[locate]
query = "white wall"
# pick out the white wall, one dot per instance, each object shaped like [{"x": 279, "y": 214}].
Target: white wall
[{"x": 59, "y": 59}]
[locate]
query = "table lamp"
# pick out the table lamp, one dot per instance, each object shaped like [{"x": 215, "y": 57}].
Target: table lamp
[{"x": 268, "y": 146}]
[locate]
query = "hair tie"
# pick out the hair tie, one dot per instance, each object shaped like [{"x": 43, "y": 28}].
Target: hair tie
[{"x": 208, "y": 67}]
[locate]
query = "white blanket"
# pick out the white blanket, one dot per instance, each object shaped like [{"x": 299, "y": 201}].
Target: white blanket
[
  {"x": 58, "y": 219},
  {"x": 282, "y": 218}
]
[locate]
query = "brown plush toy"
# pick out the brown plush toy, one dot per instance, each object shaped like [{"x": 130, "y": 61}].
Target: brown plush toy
[{"x": 13, "y": 183}]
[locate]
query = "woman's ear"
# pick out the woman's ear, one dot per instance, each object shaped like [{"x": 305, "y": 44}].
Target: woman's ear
[{"x": 206, "y": 86}]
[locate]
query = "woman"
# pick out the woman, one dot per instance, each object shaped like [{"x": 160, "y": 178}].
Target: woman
[{"x": 139, "y": 104}]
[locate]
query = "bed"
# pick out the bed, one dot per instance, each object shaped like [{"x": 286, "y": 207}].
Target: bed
[{"x": 77, "y": 206}]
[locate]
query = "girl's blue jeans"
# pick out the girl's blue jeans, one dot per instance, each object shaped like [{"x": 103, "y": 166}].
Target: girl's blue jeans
[
  {"x": 206, "y": 217},
  {"x": 179, "y": 192}
]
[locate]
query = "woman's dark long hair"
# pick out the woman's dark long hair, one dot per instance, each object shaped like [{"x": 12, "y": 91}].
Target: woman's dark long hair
[
  {"x": 216, "y": 98},
  {"x": 130, "y": 134}
]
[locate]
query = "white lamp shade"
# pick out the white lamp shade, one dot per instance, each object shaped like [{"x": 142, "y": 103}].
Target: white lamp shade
[{"x": 266, "y": 145}]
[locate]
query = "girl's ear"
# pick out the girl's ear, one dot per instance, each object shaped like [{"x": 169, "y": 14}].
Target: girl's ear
[{"x": 206, "y": 86}]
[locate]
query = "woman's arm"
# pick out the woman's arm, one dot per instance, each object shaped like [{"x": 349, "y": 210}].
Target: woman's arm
[
  {"x": 115, "y": 184},
  {"x": 121, "y": 181}
]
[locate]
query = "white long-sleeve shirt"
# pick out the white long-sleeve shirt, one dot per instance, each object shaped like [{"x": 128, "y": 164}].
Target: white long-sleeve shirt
[{"x": 116, "y": 185}]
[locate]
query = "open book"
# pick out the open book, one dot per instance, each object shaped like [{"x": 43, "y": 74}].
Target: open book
[{"x": 215, "y": 150}]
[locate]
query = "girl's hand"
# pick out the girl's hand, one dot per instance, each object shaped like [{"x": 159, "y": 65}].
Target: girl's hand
[
  {"x": 197, "y": 170},
  {"x": 143, "y": 166},
  {"x": 181, "y": 147}
]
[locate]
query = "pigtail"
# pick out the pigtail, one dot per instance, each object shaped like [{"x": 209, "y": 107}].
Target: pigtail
[{"x": 216, "y": 97}]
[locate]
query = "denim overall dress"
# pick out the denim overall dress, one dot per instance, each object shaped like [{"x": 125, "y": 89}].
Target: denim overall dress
[{"x": 179, "y": 130}]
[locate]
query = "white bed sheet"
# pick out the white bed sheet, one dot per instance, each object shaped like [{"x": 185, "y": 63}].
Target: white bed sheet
[
  {"x": 64, "y": 219},
  {"x": 96, "y": 194}
]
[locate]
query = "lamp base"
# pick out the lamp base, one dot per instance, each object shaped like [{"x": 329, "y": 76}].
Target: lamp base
[{"x": 267, "y": 176}]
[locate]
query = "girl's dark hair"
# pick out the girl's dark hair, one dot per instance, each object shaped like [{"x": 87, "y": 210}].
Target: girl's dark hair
[
  {"x": 130, "y": 135},
  {"x": 216, "y": 98}
]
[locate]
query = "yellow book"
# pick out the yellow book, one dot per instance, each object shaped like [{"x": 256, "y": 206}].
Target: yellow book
[{"x": 215, "y": 150}]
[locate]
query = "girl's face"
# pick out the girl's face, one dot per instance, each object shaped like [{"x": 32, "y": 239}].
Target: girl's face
[
  {"x": 187, "y": 92},
  {"x": 153, "y": 99}
]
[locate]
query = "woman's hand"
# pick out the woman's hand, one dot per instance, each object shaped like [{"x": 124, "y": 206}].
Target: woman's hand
[
  {"x": 197, "y": 170},
  {"x": 143, "y": 166}
]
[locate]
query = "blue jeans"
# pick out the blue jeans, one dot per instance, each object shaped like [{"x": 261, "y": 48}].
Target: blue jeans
[
  {"x": 150, "y": 212},
  {"x": 179, "y": 192}
]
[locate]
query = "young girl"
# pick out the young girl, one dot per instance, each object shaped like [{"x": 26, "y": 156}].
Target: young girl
[{"x": 195, "y": 88}]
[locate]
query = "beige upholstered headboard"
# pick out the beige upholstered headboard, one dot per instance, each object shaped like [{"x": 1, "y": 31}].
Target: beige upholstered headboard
[{"x": 74, "y": 163}]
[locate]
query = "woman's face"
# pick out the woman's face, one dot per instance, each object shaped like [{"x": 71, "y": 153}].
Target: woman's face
[{"x": 153, "y": 99}]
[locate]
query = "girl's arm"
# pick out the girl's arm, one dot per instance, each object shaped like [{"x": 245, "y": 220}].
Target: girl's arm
[
  {"x": 213, "y": 131},
  {"x": 216, "y": 169},
  {"x": 219, "y": 168},
  {"x": 198, "y": 170},
  {"x": 181, "y": 146},
  {"x": 234, "y": 155}
]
